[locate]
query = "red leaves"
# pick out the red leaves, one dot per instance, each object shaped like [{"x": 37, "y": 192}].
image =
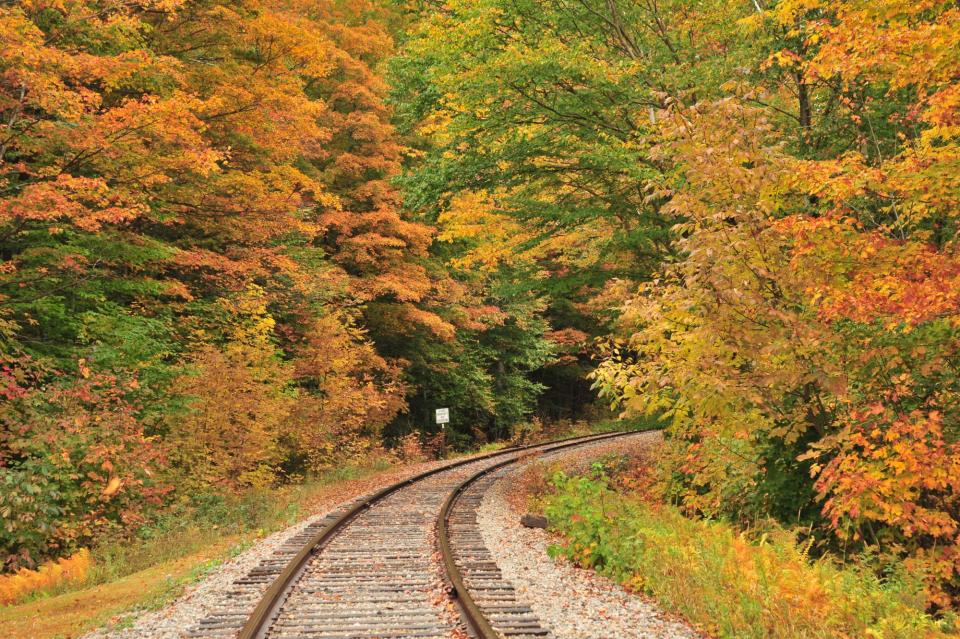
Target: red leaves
[
  {"x": 865, "y": 275},
  {"x": 887, "y": 466}
]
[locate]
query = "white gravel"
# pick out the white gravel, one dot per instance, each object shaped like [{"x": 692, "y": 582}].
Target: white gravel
[{"x": 572, "y": 602}]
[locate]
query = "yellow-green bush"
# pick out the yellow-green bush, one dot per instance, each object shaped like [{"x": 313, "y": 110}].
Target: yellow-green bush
[{"x": 725, "y": 583}]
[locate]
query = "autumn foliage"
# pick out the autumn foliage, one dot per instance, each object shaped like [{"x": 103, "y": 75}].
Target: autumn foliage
[
  {"x": 758, "y": 202},
  {"x": 208, "y": 279},
  {"x": 804, "y": 348},
  {"x": 243, "y": 241},
  {"x": 195, "y": 205}
]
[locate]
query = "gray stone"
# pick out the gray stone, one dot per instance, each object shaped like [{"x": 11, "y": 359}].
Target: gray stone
[{"x": 534, "y": 521}]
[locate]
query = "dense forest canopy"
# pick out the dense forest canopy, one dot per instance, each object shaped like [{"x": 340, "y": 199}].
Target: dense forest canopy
[{"x": 247, "y": 240}]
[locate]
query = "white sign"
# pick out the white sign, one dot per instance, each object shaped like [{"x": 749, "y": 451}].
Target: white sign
[{"x": 443, "y": 415}]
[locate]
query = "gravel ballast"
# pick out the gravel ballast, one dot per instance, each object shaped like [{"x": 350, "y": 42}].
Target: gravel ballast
[
  {"x": 212, "y": 593},
  {"x": 572, "y": 602}
]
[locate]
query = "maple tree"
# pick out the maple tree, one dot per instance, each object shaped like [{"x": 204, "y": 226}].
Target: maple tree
[{"x": 805, "y": 347}]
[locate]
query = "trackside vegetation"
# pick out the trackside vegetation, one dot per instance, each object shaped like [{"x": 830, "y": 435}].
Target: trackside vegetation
[
  {"x": 752, "y": 207},
  {"x": 733, "y": 585}
]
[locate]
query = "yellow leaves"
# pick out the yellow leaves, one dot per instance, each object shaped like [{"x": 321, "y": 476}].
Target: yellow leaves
[
  {"x": 731, "y": 330},
  {"x": 787, "y": 12},
  {"x": 493, "y": 236},
  {"x": 943, "y": 111},
  {"x": 20, "y": 38},
  {"x": 166, "y": 6},
  {"x": 284, "y": 40},
  {"x": 783, "y": 58},
  {"x": 250, "y": 322},
  {"x": 228, "y": 434},
  {"x": 49, "y": 575},
  {"x": 185, "y": 152},
  {"x": 436, "y": 125},
  {"x": 344, "y": 409},
  {"x": 112, "y": 487},
  {"x": 900, "y": 42}
]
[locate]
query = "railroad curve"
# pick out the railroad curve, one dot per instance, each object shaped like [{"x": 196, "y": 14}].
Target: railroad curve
[{"x": 406, "y": 562}]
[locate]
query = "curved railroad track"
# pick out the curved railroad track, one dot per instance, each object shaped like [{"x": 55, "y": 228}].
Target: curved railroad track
[{"x": 406, "y": 562}]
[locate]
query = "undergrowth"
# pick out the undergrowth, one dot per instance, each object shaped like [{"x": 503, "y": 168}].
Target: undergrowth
[
  {"x": 724, "y": 582},
  {"x": 197, "y": 521},
  {"x": 53, "y": 574},
  {"x": 192, "y": 523}
]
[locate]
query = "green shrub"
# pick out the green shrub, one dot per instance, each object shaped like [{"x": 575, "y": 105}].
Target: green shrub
[
  {"x": 724, "y": 583},
  {"x": 75, "y": 463}
]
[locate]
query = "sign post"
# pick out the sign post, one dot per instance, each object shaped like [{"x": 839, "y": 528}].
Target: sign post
[{"x": 443, "y": 418}]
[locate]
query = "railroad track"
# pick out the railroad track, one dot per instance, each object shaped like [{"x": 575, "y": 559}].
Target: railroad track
[{"x": 406, "y": 562}]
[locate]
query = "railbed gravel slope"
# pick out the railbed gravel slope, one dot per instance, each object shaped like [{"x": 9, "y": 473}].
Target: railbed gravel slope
[{"x": 572, "y": 602}]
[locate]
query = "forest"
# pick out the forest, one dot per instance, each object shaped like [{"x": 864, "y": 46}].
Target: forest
[{"x": 244, "y": 242}]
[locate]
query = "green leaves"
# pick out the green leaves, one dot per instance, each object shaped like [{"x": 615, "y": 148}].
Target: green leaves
[{"x": 550, "y": 119}]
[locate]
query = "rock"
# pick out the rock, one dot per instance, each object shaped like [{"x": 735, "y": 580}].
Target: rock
[{"x": 533, "y": 521}]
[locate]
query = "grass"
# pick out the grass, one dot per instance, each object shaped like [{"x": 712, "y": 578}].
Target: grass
[
  {"x": 70, "y": 614},
  {"x": 200, "y": 521},
  {"x": 724, "y": 583}
]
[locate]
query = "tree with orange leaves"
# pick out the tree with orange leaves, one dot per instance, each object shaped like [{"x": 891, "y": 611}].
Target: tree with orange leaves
[
  {"x": 805, "y": 348},
  {"x": 171, "y": 169}
]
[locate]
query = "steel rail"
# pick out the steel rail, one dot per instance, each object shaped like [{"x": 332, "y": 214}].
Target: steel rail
[
  {"x": 258, "y": 623},
  {"x": 469, "y": 610}
]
